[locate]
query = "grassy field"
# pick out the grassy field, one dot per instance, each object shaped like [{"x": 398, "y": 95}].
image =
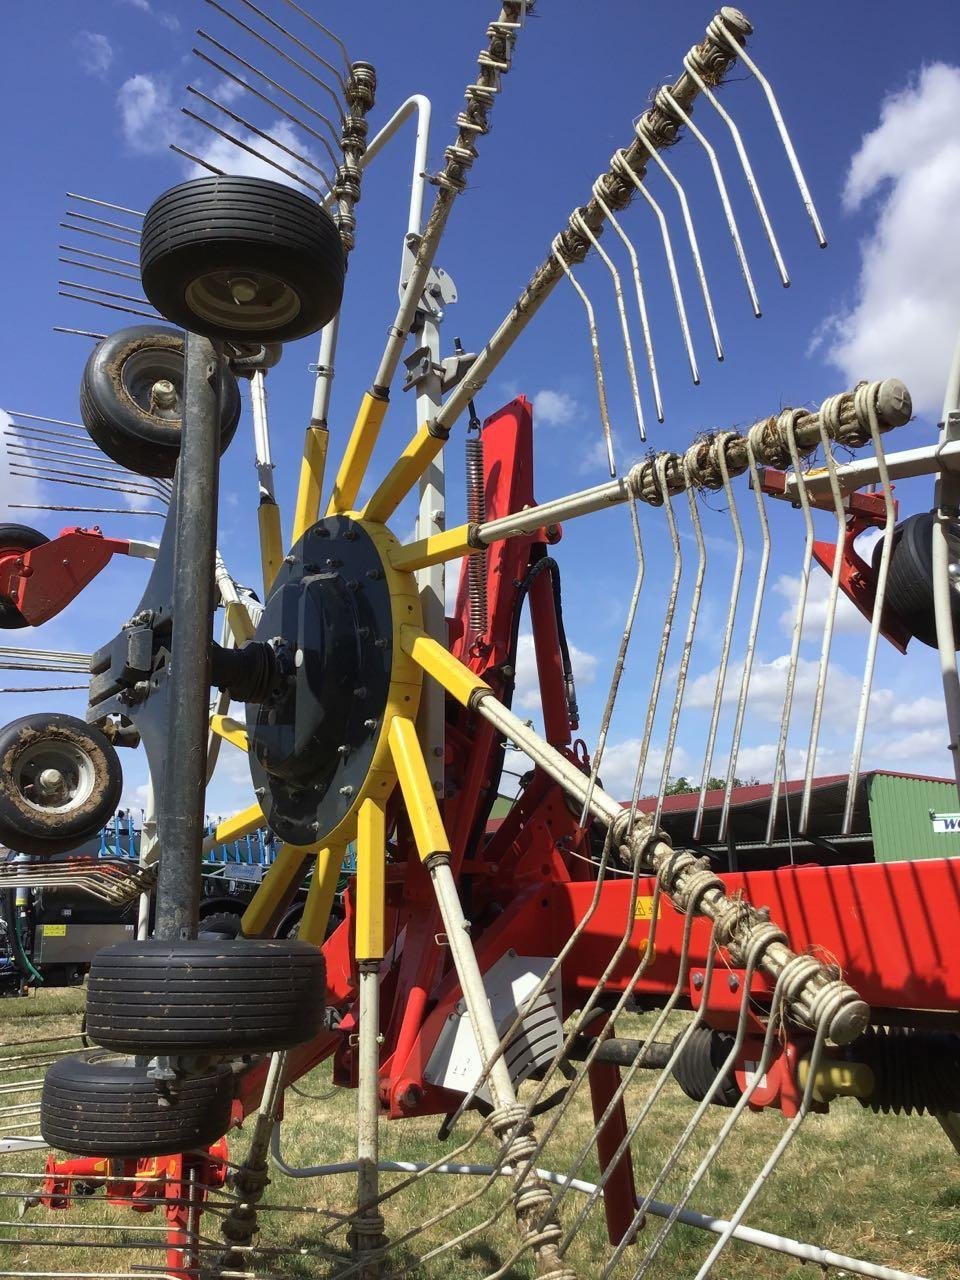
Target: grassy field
[{"x": 886, "y": 1188}]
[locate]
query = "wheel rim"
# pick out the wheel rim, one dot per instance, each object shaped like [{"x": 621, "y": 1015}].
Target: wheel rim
[
  {"x": 243, "y": 301},
  {"x": 54, "y": 777},
  {"x": 153, "y": 380}
]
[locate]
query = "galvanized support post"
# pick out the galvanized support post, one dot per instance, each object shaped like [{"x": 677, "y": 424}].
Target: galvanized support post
[{"x": 184, "y": 779}]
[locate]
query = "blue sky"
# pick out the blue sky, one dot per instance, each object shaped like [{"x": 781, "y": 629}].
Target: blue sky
[{"x": 98, "y": 88}]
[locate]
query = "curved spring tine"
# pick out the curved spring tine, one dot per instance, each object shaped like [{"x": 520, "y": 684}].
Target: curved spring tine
[
  {"x": 299, "y": 43},
  {"x": 641, "y": 300},
  {"x": 722, "y": 190},
  {"x": 727, "y": 634},
  {"x": 827, "y": 411},
  {"x": 691, "y": 233},
  {"x": 687, "y": 649},
  {"x": 723, "y": 30},
  {"x": 597, "y": 362},
  {"x": 748, "y": 173},
  {"x": 331, "y": 35},
  {"x": 621, "y": 163},
  {"x": 780, "y": 762},
  {"x": 624, "y": 326},
  {"x": 751, "y": 641},
  {"x": 890, "y": 512}
]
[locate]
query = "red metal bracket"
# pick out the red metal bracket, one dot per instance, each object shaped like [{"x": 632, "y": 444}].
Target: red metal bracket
[{"x": 41, "y": 582}]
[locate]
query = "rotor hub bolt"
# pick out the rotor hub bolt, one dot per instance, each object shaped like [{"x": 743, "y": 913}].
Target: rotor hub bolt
[
  {"x": 163, "y": 394},
  {"x": 50, "y": 781}
]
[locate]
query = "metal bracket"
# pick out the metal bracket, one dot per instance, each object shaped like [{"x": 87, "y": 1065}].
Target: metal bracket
[{"x": 439, "y": 290}]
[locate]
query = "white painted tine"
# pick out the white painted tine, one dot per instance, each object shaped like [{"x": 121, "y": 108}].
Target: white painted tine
[
  {"x": 641, "y": 299},
  {"x": 828, "y": 419},
  {"x": 620, "y": 163},
  {"x": 881, "y": 591},
  {"x": 666, "y": 96},
  {"x": 747, "y": 167},
  {"x": 597, "y": 361},
  {"x": 779, "y": 764},
  {"x": 719, "y": 28},
  {"x": 624, "y": 326},
  {"x": 685, "y": 652},
  {"x": 751, "y": 646},
  {"x": 691, "y": 232},
  {"x": 721, "y": 453}
]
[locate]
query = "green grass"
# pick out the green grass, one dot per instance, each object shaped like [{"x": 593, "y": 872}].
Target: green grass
[{"x": 886, "y": 1188}]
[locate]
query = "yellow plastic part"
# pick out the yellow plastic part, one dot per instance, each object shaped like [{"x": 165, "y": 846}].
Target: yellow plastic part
[
  {"x": 320, "y": 895},
  {"x": 458, "y": 680},
  {"x": 287, "y": 871},
  {"x": 371, "y": 882},
  {"x": 236, "y": 826},
  {"x": 356, "y": 456},
  {"x": 231, "y": 731},
  {"x": 403, "y": 475},
  {"x": 439, "y": 547},
  {"x": 239, "y": 620},
  {"x": 311, "y": 480},
  {"x": 837, "y": 1079},
  {"x": 423, "y": 811},
  {"x": 271, "y": 542}
]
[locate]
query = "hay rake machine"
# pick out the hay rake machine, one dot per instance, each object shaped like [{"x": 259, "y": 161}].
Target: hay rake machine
[{"x": 486, "y": 976}]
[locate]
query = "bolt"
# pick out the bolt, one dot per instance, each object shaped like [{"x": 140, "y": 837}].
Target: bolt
[
  {"x": 322, "y": 532},
  {"x": 163, "y": 394},
  {"x": 381, "y": 642},
  {"x": 733, "y": 982},
  {"x": 438, "y": 751},
  {"x": 369, "y": 724},
  {"x": 259, "y": 792},
  {"x": 289, "y": 559},
  {"x": 346, "y": 791},
  {"x": 374, "y": 574},
  {"x": 360, "y": 692},
  {"x": 353, "y": 584},
  {"x": 343, "y": 749},
  {"x": 698, "y": 980}
]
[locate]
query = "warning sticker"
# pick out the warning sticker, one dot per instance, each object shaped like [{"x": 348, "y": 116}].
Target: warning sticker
[
  {"x": 644, "y": 909},
  {"x": 54, "y": 930}
]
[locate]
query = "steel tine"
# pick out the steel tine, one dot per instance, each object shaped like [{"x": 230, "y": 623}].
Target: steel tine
[
  {"x": 91, "y": 253},
  {"x": 93, "y": 266},
  {"x": 718, "y": 27},
  {"x": 666, "y": 96},
  {"x": 245, "y": 146},
  {"x": 321, "y": 84},
  {"x": 112, "y": 511},
  {"x": 624, "y": 326},
  {"x": 641, "y": 299},
  {"x": 41, "y": 417},
  {"x": 687, "y": 649},
  {"x": 748, "y": 173},
  {"x": 24, "y": 434},
  {"x": 719, "y": 451},
  {"x": 63, "y": 456},
  {"x": 691, "y": 231},
  {"x": 110, "y": 306},
  {"x": 105, "y": 204},
  {"x": 100, "y": 222},
  {"x": 275, "y": 106},
  {"x": 597, "y": 361},
  {"x": 829, "y": 421},
  {"x": 751, "y": 647},
  {"x": 260, "y": 133},
  {"x": 79, "y": 333},
  {"x": 106, "y": 293},
  {"x": 621, "y": 164},
  {"x": 660, "y": 470},
  {"x": 790, "y": 418},
  {"x": 331, "y": 35},
  {"x": 274, "y": 84},
  {"x": 204, "y": 164},
  {"x": 61, "y": 477},
  {"x": 890, "y": 512},
  {"x": 284, "y": 31},
  {"x": 100, "y": 235}
]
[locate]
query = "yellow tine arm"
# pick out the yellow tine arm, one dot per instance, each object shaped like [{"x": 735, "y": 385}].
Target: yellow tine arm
[
  {"x": 311, "y": 480},
  {"x": 276, "y": 891},
  {"x": 436, "y": 661},
  {"x": 320, "y": 895},
  {"x": 231, "y": 731},
  {"x": 235, "y": 827},
  {"x": 356, "y": 456},
  {"x": 404, "y": 474},
  {"x": 371, "y": 881},
  {"x": 439, "y": 547},
  {"x": 423, "y": 811},
  {"x": 271, "y": 542}
]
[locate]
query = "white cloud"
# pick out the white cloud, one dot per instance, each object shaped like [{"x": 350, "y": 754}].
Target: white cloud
[
  {"x": 904, "y": 320},
  {"x": 618, "y": 767},
  {"x": 232, "y": 159},
  {"x": 11, "y": 486},
  {"x": 593, "y": 453},
  {"x": 94, "y": 51},
  {"x": 554, "y": 408},
  {"x": 163, "y": 16},
  {"x": 526, "y": 695},
  {"x": 847, "y": 617},
  {"x": 148, "y": 119}
]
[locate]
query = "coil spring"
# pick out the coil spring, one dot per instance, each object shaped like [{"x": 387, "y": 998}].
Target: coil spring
[
  {"x": 476, "y": 514},
  {"x": 913, "y": 1070}
]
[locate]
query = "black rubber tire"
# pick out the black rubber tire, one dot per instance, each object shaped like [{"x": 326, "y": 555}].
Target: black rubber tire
[
  {"x": 209, "y": 996},
  {"x": 696, "y": 1069},
  {"x": 248, "y": 226},
  {"x": 114, "y": 399},
  {"x": 221, "y": 924},
  {"x": 99, "y": 1103},
  {"x": 28, "y": 828},
  {"x": 16, "y": 537},
  {"x": 910, "y": 577}
]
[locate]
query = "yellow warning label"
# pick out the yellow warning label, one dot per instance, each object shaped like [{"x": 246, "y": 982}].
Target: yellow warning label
[
  {"x": 54, "y": 930},
  {"x": 644, "y": 909}
]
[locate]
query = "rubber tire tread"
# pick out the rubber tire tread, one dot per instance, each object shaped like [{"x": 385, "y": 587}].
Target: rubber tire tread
[
  {"x": 910, "y": 578},
  {"x": 224, "y": 923},
  {"x": 96, "y": 1103},
  {"x": 201, "y": 224},
  {"x": 211, "y": 995},
  {"x": 696, "y": 1068},
  {"x": 19, "y": 537}
]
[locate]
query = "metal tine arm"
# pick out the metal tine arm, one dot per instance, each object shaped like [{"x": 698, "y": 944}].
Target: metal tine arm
[
  {"x": 110, "y": 306},
  {"x": 747, "y": 167},
  {"x": 102, "y": 257},
  {"x": 95, "y": 266},
  {"x": 720, "y": 30},
  {"x": 245, "y": 146},
  {"x": 199, "y": 160},
  {"x": 331, "y": 35},
  {"x": 105, "y": 204},
  {"x": 106, "y": 293},
  {"x": 284, "y": 31},
  {"x": 100, "y": 222},
  {"x": 100, "y": 235}
]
